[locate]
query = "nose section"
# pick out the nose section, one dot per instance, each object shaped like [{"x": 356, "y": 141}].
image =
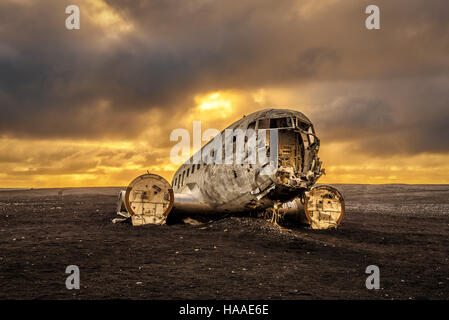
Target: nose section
[{"x": 298, "y": 162}]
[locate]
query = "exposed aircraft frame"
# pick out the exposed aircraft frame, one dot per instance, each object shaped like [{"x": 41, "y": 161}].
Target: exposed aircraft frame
[{"x": 201, "y": 187}]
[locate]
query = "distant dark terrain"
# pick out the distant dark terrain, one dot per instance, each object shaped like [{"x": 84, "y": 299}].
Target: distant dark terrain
[{"x": 403, "y": 229}]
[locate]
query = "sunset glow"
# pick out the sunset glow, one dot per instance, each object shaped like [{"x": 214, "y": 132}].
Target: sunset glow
[{"x": 96, "y": 106}]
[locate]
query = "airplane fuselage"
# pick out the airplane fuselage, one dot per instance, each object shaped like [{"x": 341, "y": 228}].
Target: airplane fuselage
[
  {"x": 235, "y": 187},
  {"x": 265, "y": 162}
]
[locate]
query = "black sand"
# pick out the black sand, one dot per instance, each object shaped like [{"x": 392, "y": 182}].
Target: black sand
[{"x": 403, "y": 229}]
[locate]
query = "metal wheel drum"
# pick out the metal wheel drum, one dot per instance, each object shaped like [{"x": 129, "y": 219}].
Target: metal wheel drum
[
  {"x": 149, "y": 199},
  {"x": 324, "y": 207}
]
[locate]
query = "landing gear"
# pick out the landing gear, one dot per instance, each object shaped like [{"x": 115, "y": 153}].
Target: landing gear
[{"x": 274, "y": 214}]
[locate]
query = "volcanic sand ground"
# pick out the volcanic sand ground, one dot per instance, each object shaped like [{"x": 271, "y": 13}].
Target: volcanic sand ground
[{"x": 403, "y": 229}]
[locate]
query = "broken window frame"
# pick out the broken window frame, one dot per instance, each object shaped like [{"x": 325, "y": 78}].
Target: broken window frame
[
  {"x": 269, "y": 124},
  {"x": 306, "y": 128}
]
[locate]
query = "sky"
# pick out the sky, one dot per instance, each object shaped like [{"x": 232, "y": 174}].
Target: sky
[{"x": 96, "y": 106}]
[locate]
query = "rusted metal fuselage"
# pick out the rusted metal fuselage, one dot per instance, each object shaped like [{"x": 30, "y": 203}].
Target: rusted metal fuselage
[{"x": 214, "y": 187}]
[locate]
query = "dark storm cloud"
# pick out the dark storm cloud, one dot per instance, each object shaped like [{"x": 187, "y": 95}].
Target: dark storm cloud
[
  {"x": 55, "y": 83},
  {"x": 392, "y": 117}
]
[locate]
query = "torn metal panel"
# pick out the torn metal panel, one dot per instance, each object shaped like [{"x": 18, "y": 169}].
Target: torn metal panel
[{"x": 121, "y": 208}]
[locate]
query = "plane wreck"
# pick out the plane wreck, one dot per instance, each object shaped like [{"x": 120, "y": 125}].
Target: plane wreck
[{"x": 267, "y": 163}]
